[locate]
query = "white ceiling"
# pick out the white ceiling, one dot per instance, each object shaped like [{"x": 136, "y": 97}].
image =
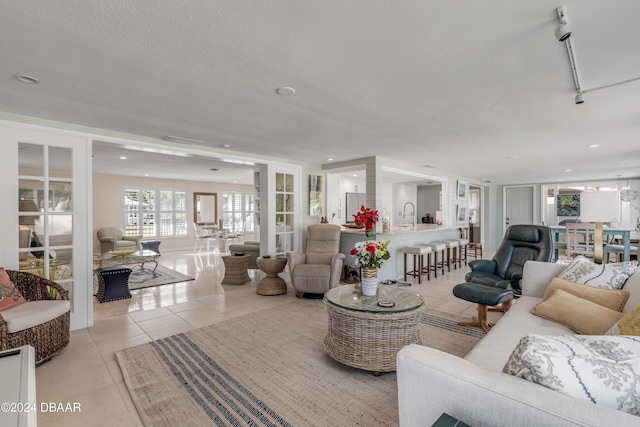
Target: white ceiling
[{"x": 478, "y": 88}]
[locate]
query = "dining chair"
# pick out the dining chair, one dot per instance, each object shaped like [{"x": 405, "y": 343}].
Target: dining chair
[{"x": 585, "y": 238}]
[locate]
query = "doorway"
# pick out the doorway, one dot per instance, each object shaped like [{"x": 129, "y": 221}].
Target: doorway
[{"x": 518, "y": 206}]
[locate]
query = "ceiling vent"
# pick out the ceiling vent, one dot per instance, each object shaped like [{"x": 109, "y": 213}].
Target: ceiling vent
[{"x": 181, "y": 140}]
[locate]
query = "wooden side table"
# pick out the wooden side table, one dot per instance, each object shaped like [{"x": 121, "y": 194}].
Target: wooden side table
[
  {"x": 272, "y": 284},
  {"x": 235, "y": 269}
]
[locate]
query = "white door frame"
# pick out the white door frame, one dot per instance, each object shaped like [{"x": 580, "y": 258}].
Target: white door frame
[{"x": 11, "y": 134}]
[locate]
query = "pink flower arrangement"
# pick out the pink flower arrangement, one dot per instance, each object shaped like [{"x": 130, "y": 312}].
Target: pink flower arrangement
[
  {"x": 367, "y": 217},
  {"x": 371, "y": 253}
]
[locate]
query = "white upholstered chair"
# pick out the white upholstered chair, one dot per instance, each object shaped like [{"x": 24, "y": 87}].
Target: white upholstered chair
[
  {"x": 113, "y": 238},
  {"x": 320, "y": 268}
]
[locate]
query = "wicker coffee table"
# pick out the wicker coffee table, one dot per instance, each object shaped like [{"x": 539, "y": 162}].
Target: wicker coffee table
[{"x": 367, "y": 336}]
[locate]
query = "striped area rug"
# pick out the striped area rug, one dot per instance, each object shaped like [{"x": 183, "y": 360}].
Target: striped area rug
[{"x": 267, "y": 368}]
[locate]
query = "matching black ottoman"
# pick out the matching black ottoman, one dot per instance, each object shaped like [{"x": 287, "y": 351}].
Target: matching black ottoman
[
  {"x": 113, "y": 283},
  {"x": 483, "y": 296},
  {"x": 151, "y": 245}
]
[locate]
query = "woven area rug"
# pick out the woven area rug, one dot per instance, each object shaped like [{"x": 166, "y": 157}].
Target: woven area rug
[
  {"x": 266, "y": 368},
  {"x": 144, "y": 278}
]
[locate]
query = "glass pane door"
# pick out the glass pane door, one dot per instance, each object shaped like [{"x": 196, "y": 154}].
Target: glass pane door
[
  {"x": 46, "y": 212},
  {"x": 284, "y": 213}
]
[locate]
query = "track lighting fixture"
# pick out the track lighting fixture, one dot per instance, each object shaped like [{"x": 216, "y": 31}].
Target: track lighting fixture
[
  {"x": 563, "y": 32},
  {"x": 579, "y": 98}
]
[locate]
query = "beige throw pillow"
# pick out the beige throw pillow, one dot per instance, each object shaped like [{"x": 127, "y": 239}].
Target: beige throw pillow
[
  {"x": 610, "y": 298},
  {"x": 581, "y": 315}
]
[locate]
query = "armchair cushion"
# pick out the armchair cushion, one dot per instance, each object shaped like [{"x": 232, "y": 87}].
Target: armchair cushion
[
  {"x": 484, "y": 265},
  {"x": 33, "y": 313}
]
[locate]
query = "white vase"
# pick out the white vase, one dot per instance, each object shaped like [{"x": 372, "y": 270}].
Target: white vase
[{"x": 369, "y": 281}]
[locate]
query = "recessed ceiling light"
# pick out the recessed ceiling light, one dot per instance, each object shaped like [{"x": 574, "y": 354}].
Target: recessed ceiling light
[
  {"x": 235, "y": 182},
  {"x": 331, "y": 160},
  {"x": 146, "y": 174},
  {"x": 123, "y": 158},
  {"x": 214, "y": 169},
  {"x": 355, "y": 174},
  {"x": 225, "y": 146},
  {"x": 568, "y": 170},
  {"x": 594, "y": 146},
  {"x": 285, "y": 91},
  {"x": 26, "y": 79},
  {"x": 429, "y": 166}
]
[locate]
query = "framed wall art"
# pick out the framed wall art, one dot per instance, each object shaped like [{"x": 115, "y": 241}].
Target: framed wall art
[
  {"x": 462, "y": 216},
  {"x": 463, "y": 190},
  {"x": 315, "y": 195}
]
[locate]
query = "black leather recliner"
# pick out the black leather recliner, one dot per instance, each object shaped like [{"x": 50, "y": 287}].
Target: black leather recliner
[{"x": 521, "y": 243}]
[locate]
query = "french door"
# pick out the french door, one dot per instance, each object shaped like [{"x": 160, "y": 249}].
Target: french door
[{"x": 46, "y": 181}]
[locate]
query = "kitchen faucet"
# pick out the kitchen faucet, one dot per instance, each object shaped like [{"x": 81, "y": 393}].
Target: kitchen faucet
[{"x": 413, "y": 207}]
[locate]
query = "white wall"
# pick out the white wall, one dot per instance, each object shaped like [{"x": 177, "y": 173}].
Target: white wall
[
  {"x": 108, "y": 210},
  {"x": 428, "y": 200}
]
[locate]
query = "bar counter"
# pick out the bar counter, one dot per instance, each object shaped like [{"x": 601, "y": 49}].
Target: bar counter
[{"x": 399, "y": 237}]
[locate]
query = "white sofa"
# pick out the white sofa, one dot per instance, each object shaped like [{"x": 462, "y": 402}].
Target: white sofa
[{"x": 474, "y": 389}]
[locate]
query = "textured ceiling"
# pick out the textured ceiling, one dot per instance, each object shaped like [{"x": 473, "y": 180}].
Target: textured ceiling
[{"x": 482, "y": 89}]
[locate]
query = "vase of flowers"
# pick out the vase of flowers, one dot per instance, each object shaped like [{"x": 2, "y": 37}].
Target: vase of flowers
[
  {"x": 368, "y": 218},
  {"x": 370, "y": 255},
  {"x": 369, "y": 281}
]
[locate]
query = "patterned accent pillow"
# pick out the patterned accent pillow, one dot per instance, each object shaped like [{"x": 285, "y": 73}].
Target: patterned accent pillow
[
  {"x": 597, "y": 369},
  {"x": 9, "y": 295},
  {"x": 628, "y": 325},
  {"x": 606, "y": 276}
]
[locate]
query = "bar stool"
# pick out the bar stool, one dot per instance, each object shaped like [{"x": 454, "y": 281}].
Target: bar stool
[
  {"x": 475, "y": 247},
  {"x": 464, "y": 241},
  {"x": 452, "y": 246},
  {"x": 418, "y": 253},
  {"x": 437, "y": 247},
  {"x": 458, "y": 251}
]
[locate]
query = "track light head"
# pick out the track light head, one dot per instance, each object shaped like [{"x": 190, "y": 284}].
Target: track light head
[
  {"x": 563, "y": 31},
  {"x": 579, "y": 98}
]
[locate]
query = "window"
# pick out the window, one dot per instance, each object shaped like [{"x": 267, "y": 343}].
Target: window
[
  {"x": 237, "y": 211},
  {"x": 155, "y": 213}
]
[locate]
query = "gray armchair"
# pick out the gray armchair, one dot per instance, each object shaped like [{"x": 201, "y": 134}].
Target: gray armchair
[
  {"x": 250, "y": 248},
  {"x": 320, "y": 268},
  {"x": 112, "y": 238}
]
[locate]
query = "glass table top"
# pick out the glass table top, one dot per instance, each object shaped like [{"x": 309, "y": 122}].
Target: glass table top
[
  {"x": 348, "y": 298},
  {"x": 120, "y": 254}
]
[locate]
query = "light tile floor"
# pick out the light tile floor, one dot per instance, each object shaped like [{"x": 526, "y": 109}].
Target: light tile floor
[{"x": 86, "y": 371}]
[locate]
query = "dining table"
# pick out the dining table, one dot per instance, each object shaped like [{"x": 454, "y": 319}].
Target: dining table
[{"x": 621, "y": 233}]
